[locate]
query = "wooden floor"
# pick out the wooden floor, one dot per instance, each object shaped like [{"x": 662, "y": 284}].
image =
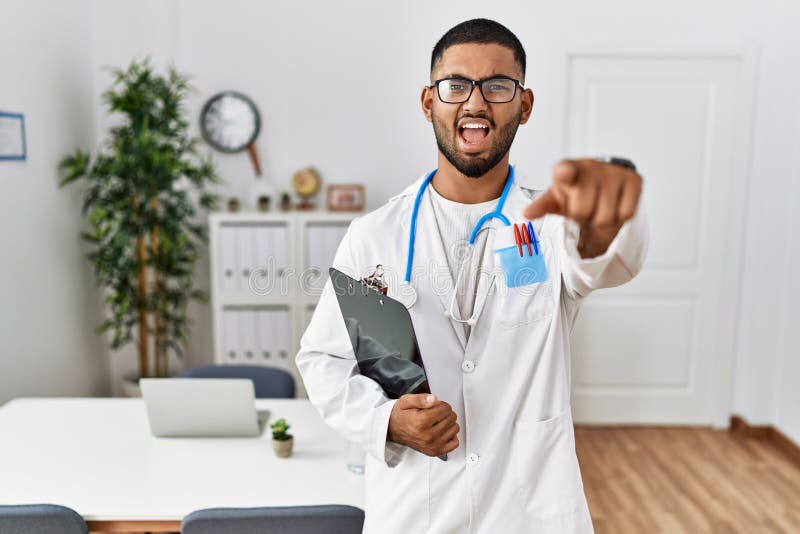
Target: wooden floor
[{"x": 693, "y": 480}]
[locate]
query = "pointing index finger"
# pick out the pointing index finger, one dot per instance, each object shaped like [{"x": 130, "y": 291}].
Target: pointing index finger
[
  {"x": 565, "y": 173},
  {"x": 542, "y": 205}
]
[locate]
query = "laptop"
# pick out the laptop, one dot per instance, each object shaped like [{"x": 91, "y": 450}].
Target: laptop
[{"x": 202, "y": 407}]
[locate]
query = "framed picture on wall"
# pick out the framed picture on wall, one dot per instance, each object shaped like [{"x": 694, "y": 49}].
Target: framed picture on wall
[
  {"x": 12, "y": 136},
  {"x": 345, "y": 197}
]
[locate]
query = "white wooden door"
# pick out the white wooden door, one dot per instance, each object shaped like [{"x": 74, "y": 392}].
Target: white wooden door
[{"x": 659, "y": 350}]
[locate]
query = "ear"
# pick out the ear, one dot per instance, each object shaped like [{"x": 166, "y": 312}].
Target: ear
[
  {"x": 426, "y": 99},
  {"x": 527, "y": 105}
]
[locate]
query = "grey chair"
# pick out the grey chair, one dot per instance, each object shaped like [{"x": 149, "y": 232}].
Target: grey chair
[
  {"x": 41, "y": 519},
  {"x": 270, "y": 383},
  {"x": 324, "y": 519}
]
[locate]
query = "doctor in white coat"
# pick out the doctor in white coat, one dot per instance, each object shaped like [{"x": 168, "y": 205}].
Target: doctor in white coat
[{"x": 500, "y": 405}]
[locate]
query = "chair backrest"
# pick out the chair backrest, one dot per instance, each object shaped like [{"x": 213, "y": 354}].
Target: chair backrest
[
  {"x": 41, "y": 519},
  {"x": 324, "y": 519},
  {"x": 270, "y": 383}
]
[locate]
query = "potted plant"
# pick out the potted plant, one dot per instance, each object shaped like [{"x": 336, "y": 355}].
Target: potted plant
[
  {"x": 142, "y": 191},
  {"x": 286, "y": 201},
  {"x": 281, "y": 441}
]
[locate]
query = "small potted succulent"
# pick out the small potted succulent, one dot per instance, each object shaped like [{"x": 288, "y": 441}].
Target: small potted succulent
[
  {"x": 286, "y": 201},
  {"x": 281, "y": 441}
]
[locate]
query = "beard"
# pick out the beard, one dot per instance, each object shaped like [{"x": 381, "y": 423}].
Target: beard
[{"x": 470, "y": 166}]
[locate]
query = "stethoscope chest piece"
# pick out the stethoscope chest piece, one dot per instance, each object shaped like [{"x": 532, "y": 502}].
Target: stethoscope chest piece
[{"x": 406, "y": 294}]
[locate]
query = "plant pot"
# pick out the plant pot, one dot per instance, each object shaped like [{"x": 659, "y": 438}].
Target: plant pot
[
  {"x": 130, "y": 386},
  {"x": 283, "y": 448}
]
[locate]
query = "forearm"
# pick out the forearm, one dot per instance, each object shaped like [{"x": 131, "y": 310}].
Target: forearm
[
  {"x": 353, "y": 405},
  {"x": 589, "y": 264}
]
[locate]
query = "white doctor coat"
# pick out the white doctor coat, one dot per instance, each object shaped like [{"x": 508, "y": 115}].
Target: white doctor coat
[{"x": 515, "y": 469}]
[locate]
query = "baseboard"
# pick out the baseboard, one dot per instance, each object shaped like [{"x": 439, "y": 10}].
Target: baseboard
[{"x": 740, "y": 427}]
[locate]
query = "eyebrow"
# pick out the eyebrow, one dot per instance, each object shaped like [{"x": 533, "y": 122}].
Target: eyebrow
[{"x": 457, "y": 75}]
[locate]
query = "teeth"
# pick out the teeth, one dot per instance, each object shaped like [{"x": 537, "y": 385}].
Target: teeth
[{"x": 472, "y": 125}]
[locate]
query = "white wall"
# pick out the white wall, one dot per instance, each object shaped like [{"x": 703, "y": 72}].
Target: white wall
[
  {"x": 786, "y": 397},
  {"x": 301, "y": 62},
  {"x": 378, "y": 136},
  {"x": 48, "y": 303},
  {"x": 768, "y": 368}
]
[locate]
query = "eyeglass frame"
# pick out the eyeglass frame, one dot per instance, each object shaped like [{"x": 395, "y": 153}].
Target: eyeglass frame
[{"x": 479, "y": 83}]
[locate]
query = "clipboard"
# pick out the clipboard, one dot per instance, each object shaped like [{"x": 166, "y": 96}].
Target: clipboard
[{"x": 382, "y": 336}]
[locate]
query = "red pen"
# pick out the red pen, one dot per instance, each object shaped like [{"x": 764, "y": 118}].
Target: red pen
[
  {"x": 526, "y": 238},
  {"x": 518, "y": 239}
]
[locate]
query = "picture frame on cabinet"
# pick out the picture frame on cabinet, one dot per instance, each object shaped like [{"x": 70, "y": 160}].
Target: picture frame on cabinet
[{"x": 345, "y": 197}]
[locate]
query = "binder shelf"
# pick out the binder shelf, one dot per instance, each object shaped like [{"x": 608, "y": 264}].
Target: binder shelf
[{"x": 267, "y": 271}]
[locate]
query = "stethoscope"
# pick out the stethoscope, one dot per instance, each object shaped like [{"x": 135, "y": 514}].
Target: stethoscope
[{"x": 408, "y": 290}]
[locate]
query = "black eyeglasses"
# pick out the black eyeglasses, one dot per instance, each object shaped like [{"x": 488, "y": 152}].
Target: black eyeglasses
[{"x": 497, "y": 90}]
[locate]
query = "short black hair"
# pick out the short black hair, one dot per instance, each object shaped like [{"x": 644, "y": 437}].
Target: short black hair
[{"x": 482, "y": 31}]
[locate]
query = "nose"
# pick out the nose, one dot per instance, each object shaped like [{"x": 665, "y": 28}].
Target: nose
[{"x": 476, "y": 101}]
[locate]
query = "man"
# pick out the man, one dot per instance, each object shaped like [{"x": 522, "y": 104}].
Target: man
[{"x": 500, "y": 403}]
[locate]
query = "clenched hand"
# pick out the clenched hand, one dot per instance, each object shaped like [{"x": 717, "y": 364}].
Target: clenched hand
[{"x": 424, "y": 423}]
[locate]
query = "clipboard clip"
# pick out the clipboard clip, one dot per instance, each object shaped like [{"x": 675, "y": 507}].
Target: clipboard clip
[{"x": 375, "y": 281}]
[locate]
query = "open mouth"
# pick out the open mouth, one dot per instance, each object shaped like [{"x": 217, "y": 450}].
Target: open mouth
[{"x": 473, "y": 133}]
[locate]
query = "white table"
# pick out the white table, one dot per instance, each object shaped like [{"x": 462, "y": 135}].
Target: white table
[{"x": 98, "y": 457}]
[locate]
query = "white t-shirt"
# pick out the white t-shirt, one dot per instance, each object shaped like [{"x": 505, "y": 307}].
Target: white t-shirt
[{"x": 455, "y": 222}]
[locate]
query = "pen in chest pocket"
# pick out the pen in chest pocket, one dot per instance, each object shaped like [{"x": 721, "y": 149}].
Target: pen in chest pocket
[
  {"x": 518, "y": 239},
  {"x": 524, "y": 234},
  {"x": 533, "y": 238},
  {"x": 526, "y": 237},
  {"x": 521, "y": 257}
]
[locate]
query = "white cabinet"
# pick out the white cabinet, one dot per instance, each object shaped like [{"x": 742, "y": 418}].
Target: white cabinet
[
  {"x": 321, "y": 242},
  {"x": 267, "y": 271},
  {"x": 230, "y": 337},
  {"x": 265, "y": 333},
  {"x": 226, "y": 259}
]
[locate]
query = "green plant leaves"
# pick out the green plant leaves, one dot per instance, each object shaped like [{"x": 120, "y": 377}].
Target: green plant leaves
[
  {"x": 280, "y": 430},
  {"x": 137, "y": 188}
]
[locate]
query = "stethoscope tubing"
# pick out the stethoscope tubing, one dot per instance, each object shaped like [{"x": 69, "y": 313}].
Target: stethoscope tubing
[
  {"x": 496, "y": 213},
  {"x": 412, "y": 233}
]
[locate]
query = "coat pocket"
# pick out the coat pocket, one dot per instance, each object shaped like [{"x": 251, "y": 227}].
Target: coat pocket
[
  {"x": 521, "y": 269},
  {"x": 526, "y": 305},
  {"x": 547, "y": 467}
]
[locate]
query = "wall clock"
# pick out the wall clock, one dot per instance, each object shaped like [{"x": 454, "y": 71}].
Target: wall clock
[{"x": 230, "y": 123}]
